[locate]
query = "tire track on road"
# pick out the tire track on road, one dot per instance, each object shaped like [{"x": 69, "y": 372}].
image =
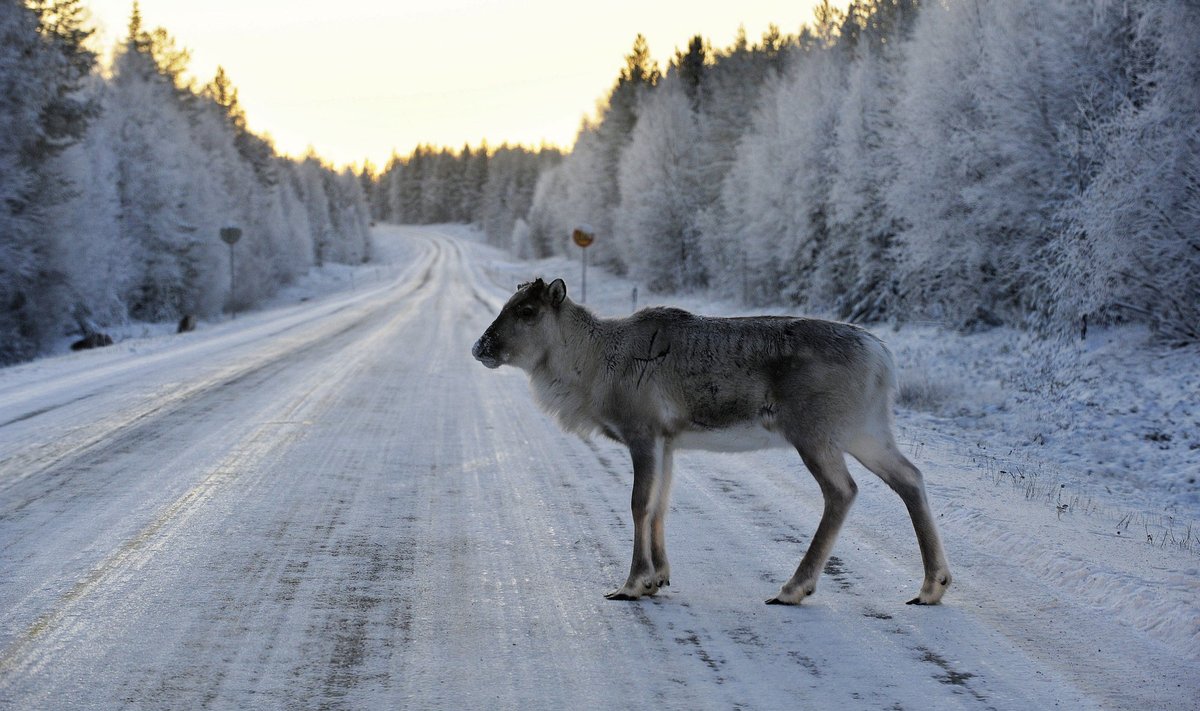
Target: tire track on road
[{"x": 279, "y": 425}]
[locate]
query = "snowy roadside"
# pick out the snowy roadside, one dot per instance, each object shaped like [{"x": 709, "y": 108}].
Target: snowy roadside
[{"x": 137, "y": 337}]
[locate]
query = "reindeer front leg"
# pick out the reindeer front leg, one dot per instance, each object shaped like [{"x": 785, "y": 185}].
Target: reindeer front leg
[
  {"x": 647, "y": 456},
  {"x": 658, "y": 520}
]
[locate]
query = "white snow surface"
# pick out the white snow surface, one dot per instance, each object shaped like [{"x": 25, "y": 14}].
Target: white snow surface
[{"x": 329, "y": 503}]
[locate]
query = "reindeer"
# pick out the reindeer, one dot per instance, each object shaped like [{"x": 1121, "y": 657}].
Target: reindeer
[{"x": 665, "y": 379}]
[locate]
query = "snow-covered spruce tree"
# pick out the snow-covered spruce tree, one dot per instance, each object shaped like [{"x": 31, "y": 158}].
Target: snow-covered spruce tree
[
  {"x": 817, "y": 262},
  {"x": 474, "y": 176},
  {"x": 508, "y": 193},
  {"x": 293, "y": 216},
  {"x": 93, "y": 254},
  {"x": 659, "y": 171},
  {"x": 350, "y": 217},
  {"x": 729, "y": 90},
  {"x": 387, "y": 205},
  {"x": 586, "y": 186},
  {"x": 858, "y": 216},
  {"x": 944, "y": 268},
  {"x": 548, "y": 222},
  {"x": 168, "y": 197},
  {"x": 439, "y": 190},
  {"x": 23, "y": 92},
  {"x": 43, "y": 61},
  {"x": 408, "y": 192},
  {"x": 613, "y": 129},
  {"x": 1132, "y": 248},
  {"x": 775, "y": 197},
  {"x": 310, "y": 186},
  {"x": 569, "y": 195},
  {"x": 990, "y": 95},
  {"x": 862, "y": 154}
]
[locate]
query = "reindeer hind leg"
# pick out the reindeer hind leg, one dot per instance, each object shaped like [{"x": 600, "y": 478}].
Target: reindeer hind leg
[
  {"x": 880, "y": 454},
  {"x": 828, "y": 466}
]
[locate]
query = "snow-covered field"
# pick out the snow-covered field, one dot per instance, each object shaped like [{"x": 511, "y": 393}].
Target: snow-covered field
[{"x": 329, "y": 504}]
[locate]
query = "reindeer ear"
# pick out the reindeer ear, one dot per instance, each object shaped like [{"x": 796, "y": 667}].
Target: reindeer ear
[{"x": 556, "y": 292}]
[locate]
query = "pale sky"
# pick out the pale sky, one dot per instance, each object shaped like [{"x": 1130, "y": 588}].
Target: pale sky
[{"x": 359, "y": 78}]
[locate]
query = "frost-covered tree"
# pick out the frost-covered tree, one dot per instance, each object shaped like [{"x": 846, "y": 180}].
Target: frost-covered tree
[
  {"x": 508, "y": 193},
  {"x": 350, "y": 217},
  {"x": 729, "y": 92},
  {"x": 549, "y": 220},
  {"x": 474, "y": 175},
  {"x": 612, "y": 133},
  {"x": 44, "y": 61},
  {"x": 775, "y": 197},
  {"x": 167, "y": 197},
  {"x": 586, "y": 184},
  {"x": 656, "y": 227},
  {"x": 92, "y": 253},
  {"x": 939, "y": 157},
  {"x": 24, "y": 63},
  {"x": 113, "y": 189},
  {"x": 859, "y": 219},
  {"x": 689, "y": 67},
  {"x": 1132, "y": 246},
  {"x": 310, "y": 185},
  {"x": 990, "y": 91}
]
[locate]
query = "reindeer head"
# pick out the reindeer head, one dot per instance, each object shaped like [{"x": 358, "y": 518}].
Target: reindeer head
[{"x": 523, "y": 331}]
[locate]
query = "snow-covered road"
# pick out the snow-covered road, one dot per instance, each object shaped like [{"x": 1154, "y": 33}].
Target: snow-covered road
[{"x": 332, "y": 505}]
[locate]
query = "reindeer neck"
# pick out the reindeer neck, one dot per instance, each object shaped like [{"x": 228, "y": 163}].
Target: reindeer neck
[{"x": 583, "y": 340}]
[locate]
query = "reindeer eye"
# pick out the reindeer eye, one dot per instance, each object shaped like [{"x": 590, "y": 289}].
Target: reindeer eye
[{"x": 526, "y": 313}]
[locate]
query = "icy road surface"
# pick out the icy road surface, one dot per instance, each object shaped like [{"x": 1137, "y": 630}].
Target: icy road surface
[{"x": 331, "y": 505}]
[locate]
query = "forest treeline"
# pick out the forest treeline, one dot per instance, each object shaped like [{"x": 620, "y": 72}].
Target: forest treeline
[
  {"x": 490, "y": 187},
  {"x": 114, "y": 187},
  {"x": 975, "y": 162}
]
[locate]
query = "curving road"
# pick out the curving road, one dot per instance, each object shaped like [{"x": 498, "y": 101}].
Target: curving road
[{"x": 333, "y": 505}]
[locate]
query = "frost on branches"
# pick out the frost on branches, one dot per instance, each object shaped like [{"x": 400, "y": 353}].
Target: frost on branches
[{"x": 112, "y": 190}]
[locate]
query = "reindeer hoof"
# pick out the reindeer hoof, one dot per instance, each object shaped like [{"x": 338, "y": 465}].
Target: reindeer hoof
[
  {"x": 918, "y": 601},
  {"x": 781, "y": 600},
  {"x": 795, "y": 597},
  {"x": 932, "y": 591},
  {"x": 634, "y": 591}
]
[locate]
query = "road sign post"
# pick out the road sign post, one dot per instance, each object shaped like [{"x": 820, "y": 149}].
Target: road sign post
[
  {"x": 230, "y": 235},
  {"x": 583, "y": 237}
]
